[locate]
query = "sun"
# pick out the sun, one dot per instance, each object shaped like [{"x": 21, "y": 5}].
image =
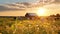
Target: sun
[{"x": 41, "y": 12}]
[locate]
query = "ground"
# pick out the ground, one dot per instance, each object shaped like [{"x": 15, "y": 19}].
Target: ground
[{"x": 27, "y": 26}]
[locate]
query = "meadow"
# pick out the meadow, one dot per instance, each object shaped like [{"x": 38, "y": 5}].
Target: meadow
[{"x": 28, "y": 26}]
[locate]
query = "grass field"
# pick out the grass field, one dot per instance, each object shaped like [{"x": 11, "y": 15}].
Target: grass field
[{"x": 38, "y": 26}]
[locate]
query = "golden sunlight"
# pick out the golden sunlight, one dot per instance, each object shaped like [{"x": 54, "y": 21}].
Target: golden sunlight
[{"x": 41, "y": 12}]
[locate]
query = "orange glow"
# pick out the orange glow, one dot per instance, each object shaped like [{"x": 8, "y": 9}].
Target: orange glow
[{"x": 41, "y": 12}]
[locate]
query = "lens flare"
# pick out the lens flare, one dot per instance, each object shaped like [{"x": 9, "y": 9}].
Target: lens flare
[{"x": 41, "y": 12}]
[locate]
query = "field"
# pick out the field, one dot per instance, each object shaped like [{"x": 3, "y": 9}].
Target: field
[{"x": 28, "y": 26}]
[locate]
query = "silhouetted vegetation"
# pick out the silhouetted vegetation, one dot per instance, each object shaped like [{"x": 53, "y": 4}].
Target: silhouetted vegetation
[{"x": 57, "y": 16}]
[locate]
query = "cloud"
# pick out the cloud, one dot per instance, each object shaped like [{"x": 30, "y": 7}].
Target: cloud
[
  {"x": 18, "y": 6},
  {"x": 14, "y": 6},
  {"x": 25, "y": 5},
  {"x": 57, "y": 0},
  {"x": 3, "y": 8},
  {"x": 48, "y": 1},
  {"x": 52, "y": 8}
]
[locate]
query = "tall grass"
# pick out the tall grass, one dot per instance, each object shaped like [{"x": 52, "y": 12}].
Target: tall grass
[{"x": 11, "y": 26}]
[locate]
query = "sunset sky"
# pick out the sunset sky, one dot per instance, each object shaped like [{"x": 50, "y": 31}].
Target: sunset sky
[
  {"x": 13, "y": 1},
  {"x": 21, "y": 7}
]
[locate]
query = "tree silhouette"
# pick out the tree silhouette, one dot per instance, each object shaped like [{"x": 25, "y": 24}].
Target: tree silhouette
[{"x": 57, "y": 15}]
